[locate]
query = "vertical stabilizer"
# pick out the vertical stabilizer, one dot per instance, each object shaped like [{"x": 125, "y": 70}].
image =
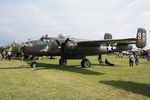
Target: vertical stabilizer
[
  {"x": 107, "y": 36},
  {"x": 141, "y": 38}
]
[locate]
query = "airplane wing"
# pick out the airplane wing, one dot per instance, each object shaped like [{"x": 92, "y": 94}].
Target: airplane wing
[{"x": 107, "y": 41}]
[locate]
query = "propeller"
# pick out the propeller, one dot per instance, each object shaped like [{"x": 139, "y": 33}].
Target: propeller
[{"x": 62, "y": 45}]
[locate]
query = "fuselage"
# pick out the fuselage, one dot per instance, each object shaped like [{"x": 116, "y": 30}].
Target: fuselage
[{"x": 49, "y": 47}]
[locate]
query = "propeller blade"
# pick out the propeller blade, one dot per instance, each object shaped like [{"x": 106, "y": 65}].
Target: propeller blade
[
  {"x": 62, "y": 45},
  {"x": 66, "y": 41},
  {"x": 58, "y": 42}
]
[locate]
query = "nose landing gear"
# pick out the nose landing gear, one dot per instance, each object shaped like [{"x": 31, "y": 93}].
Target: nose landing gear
[
  {"x": 34, "y": 64},
  {"x": 62, "y": 61}
]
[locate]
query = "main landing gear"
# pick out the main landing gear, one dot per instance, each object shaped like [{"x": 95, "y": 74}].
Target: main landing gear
[
  {"x": 85, "y": 63},
  {"x": 62, "y": 61}
]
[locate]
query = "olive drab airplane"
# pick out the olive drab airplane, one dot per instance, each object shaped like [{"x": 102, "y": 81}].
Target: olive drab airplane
[{"x": 71, "y": 48}]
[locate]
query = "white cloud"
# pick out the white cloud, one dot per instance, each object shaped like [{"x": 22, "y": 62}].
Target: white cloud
[{"x": 78, "y": 18}]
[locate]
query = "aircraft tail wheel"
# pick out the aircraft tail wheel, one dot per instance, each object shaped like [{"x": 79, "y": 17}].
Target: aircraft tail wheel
[
  {"x": 34, "y": 65},
  {"x": 85, "y": 63},
  {"x": 62, "y": 61}
]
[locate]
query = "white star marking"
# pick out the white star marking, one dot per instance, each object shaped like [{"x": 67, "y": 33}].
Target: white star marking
[{"x": 109, "y": 48}]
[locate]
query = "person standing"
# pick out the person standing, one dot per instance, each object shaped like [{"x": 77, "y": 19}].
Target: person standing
[
  {"x": 4, "y": 55},
  {"x": 131, "y": 60},
  {"x": 148, "y": 56},
  {"x": 21, "y": 56},
  {"x": 9, "y": 53},
  {"x": 136, "y": 59}
]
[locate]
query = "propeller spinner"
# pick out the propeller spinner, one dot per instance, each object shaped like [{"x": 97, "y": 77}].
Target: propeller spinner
[{"x": 62, "y": 45}]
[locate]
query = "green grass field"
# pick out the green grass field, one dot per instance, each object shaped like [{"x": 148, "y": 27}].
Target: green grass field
[{"x": 50, "y": 82}]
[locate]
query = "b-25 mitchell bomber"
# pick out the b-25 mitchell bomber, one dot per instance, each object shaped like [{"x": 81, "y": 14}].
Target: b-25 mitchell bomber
[{"x": 71, "y": 48}]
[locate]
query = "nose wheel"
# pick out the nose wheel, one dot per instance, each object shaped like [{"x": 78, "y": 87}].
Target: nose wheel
[
  {"x": 85, "y": 63},
  {"x": 34, "y": 65}
]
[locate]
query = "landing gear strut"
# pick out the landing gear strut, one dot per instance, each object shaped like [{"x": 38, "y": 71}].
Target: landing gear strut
[
  {"x": 34, "y": 64},
  {"x": 85, "y": 63},
  {"x": 62, "y": 61},
  {"x": 100, "y": 59}
]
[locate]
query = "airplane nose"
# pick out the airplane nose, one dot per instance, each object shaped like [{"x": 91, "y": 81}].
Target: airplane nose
[{"x": 28, "y": 49}]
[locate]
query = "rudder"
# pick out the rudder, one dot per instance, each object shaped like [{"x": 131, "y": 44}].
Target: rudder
[
  {"x": 141, "y": 38},
  {"x": 107, "y": 36}
]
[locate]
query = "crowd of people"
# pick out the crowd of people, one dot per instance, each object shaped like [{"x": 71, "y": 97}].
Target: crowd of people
[
  {"x": 134, "y": 57},
  {"x": 9, "y": 54},
  {"x": 6, "y": 55}
]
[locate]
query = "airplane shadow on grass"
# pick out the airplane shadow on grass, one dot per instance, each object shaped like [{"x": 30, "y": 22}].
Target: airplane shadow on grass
[
  {"x": 20, "y": 67},
  {"x": 139, "y": 88},
  {"x": 70, "y": 68}
]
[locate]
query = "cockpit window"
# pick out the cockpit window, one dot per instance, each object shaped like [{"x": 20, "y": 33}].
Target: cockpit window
[{"x": 45, "y": 39}]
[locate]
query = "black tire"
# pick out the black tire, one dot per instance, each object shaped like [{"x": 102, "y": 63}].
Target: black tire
[
  {"x": 62, "y": 61},
  {"x": 34, "y": 65},
  {"x": 85, "y": 63}
]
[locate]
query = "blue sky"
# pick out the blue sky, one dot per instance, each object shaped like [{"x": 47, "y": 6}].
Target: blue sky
[{"x": 89, "y": 19}]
